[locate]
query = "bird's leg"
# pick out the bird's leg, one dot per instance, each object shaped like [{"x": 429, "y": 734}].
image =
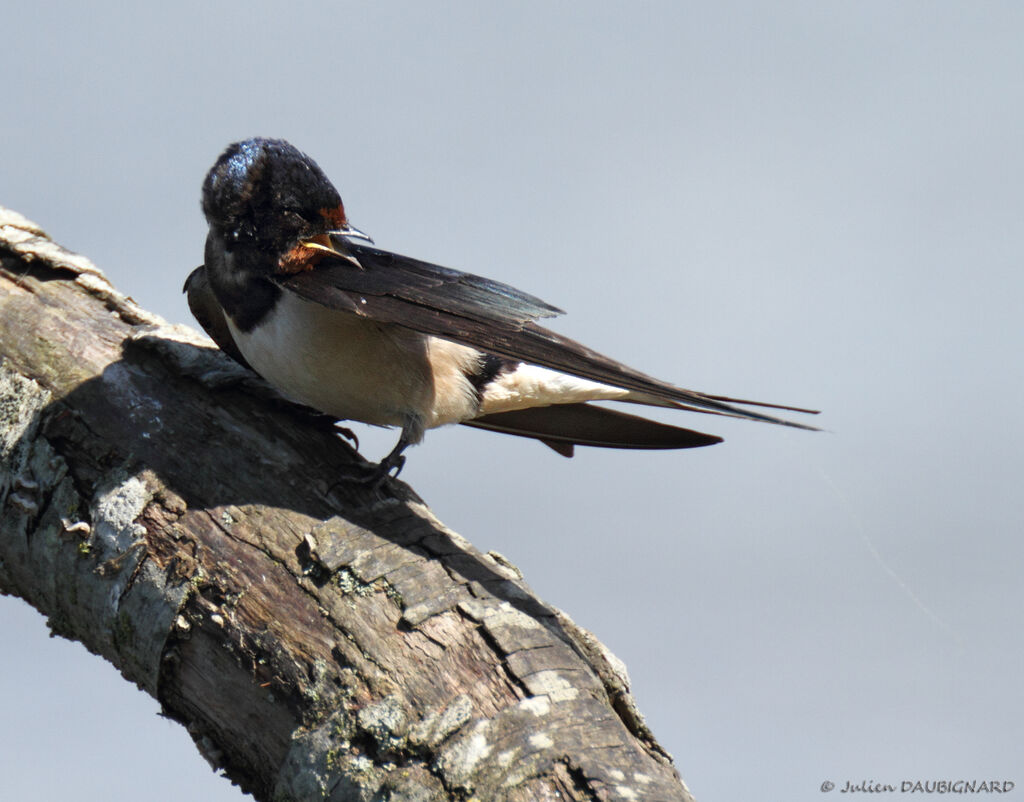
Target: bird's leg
[
  {"x": 394, "y": 461},
  {"x": 412, "y": 433}
]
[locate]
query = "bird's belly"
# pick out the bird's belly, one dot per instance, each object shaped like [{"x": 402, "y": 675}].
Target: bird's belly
[
  {"x": 339, "y": 363},
  {"x": 356, "y": 369}
]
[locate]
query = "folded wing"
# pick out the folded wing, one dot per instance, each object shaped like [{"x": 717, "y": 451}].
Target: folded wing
[{"x": 486, "y": 315}]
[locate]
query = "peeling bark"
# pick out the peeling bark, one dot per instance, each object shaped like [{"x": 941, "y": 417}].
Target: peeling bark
[{"x": 319, "y": 640}]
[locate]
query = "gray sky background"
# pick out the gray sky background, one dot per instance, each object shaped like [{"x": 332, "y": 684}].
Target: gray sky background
[{"x": 811, "y": 202}]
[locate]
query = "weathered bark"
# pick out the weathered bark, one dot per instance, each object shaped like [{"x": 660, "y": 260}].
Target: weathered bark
[{"x": 319, "y": 639}]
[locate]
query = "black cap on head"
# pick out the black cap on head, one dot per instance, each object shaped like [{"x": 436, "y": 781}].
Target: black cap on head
[{"x": 267, "y": 193}]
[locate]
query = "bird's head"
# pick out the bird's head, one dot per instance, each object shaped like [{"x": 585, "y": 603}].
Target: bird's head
[{"x": 268, "y": 197}]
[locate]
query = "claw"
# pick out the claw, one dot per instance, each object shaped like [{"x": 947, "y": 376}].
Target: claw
[
  {"x": 348, "y": 434},
  {"x": 392, "y": 462},
  {"x": 376, "y": 475}
]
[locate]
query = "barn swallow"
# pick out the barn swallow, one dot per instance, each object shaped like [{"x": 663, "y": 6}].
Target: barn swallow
[{"x": 290, "y": 289}]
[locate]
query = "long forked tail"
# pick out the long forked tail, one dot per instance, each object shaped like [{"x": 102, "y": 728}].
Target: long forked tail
[{"x": 730, "y": 408}]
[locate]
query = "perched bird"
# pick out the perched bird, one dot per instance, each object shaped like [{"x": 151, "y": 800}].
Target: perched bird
[{"x": 294, "y": 292}]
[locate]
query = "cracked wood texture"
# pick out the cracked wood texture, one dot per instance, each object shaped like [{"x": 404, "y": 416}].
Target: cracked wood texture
[{"x": 319, "y": 639}]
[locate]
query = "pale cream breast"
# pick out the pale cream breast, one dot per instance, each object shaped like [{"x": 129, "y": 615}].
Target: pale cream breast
[{"x": 341, "y": 364}]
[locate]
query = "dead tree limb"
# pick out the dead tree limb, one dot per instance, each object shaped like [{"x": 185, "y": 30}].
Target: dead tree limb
[{"x": 319, "y": 639}]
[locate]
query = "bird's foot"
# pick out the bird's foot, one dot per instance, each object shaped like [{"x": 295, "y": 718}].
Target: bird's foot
[
  {"x": 374, "y": 475},
  {"x": 382, "y": 471},
  {"x": 387, "y": 468}
]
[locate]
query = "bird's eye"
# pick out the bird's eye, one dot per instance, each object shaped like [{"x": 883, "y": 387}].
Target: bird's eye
[
  {"x": 245, "y": 230},
  {"x": 296, "y": 219}
]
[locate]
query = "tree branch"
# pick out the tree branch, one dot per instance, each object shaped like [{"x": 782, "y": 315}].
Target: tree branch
[{"x": 318, "y": 638}]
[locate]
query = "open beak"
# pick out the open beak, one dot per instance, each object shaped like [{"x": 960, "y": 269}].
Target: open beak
[
  {"x": 326, "y": 243},
  {"x": 334, "y": 240}
]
